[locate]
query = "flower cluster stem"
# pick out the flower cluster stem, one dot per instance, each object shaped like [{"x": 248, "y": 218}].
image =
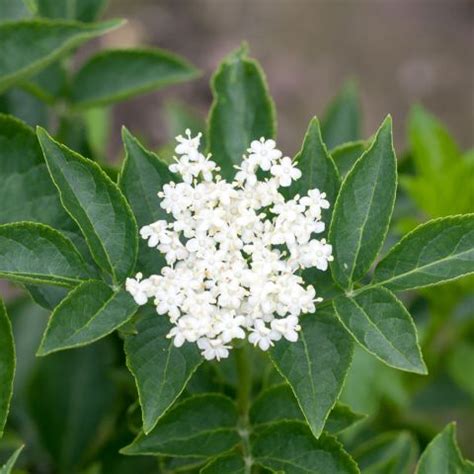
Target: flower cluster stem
[{"x": 244, "y": 390}]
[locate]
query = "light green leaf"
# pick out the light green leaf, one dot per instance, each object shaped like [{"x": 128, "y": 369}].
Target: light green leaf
[
  {"x": 290, "y": 447},
  {"x": 30, "y": 45},
  {"x": 431, "y": 145},
  {"x": 381, "y": 324},
  {"x": 8, "y": 466},
  {"x": 346, "y": 155},
  {"x": 82, "y": 10},
  {"x": 161, "y": 370},
  {"x": 363, "y": 209},
  {"x": 97, "y": 205},
  {"x": 442, "y": 455},
  {"x": 114, "y": 75},
  {"x": 90, "y": 312},
  {"x": 200, "y": 426},
  {"x": 7, "y": 365},
  {"x": 13, "y": 10},
  {"x": 317, "y": 166},
  {"x": 143, "y": 175},
  {"x": 438, "y": 251},
  {"x": 38, "y": 254},
  {"x": 315, "y": 366},
  {"x": 242, "y": 110},
  {"x": 70, "y": 396},
  {"x": 388, "y": 453},
  {"x": 232, "y": 463},
  {"x": 342, "y": 122},
  {"x": 278, "y": 403}
]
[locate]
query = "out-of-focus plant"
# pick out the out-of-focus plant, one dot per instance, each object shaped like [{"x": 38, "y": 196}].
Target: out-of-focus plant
[{"x": 88, "y": 378}]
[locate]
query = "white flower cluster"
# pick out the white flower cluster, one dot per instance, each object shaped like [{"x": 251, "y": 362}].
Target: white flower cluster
[{"x": 234, "y": 250}]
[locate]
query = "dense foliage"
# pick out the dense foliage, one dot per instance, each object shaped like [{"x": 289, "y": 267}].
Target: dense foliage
[{"x": 89, "y": 382}]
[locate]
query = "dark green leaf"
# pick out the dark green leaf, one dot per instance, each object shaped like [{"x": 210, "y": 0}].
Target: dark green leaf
[
  {"x": 82, "y": 10},
  {"x": 97, "y": 205},
  {"x": 24, "y": 106},
  {"x": 47, "y": 296},
  {"x": 229, "y": 464},
  {"x": 278, "y": 403},
  {"x": 460, "y": 363},
  {"x": 115, "y": 75},
  {"x": 342, "y": 121},
  {"x": 69, "y": 397},
  {"x": 380, "y": 323},
  {"x": 90, "y": 312},
  {"x": 38, "y": 254},
  {"x": 29, "y": 46},
  {"x": 442, "y": 455},
  {"x": 49, "y": 84},
  {"x": 291, "y": 448},
  {"x": 433, "y": 253},
  {"x": 200, "y": 426},
  {"x": 315, "y": 366},
  {"x": 27, "y": 193},
  {"x": 8, "y": 467},
  {"x": 161, "y": 370},
  {"x": 13, "y": 10},
  {"x": 7, "y": 365},
  {"x": 242, "y": 110},
  {"x": 317, "y": 166},
  {"x": 363, "y": 209},
  {"x": 389, "y": 453},
  {"x": 346, "y": 155},
  {"x": 143, "y": 175}
]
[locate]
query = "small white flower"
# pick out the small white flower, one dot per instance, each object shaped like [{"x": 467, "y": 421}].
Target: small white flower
[
  {"x": 233, "y": 251},
  {"x": 263, "y": 336},
  {"x": 285, "y": 172},
  {"x": 264, "y": 153}
]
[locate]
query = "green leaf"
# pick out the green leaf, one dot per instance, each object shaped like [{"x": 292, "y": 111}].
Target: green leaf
[
  {"x": 431, "y": 145},
  {"x": 47, "y": 296},
  {"x": 49, "y": 84},
  {"x": 342, "y": 121},
  {"x": 95, "y": 202},
  {"x": 232, "y": 463},
  {"x": 442, "y": 455},
  {"x": 278, "y": 403},
  {"x": 161, "y": 370},
  {"x": 242, "y": 110},
  {"x": 317, "y": 166},
  {"x": 8, "y": 466},
  {"x": 346, "y": 155},
  {"x": 7, "y": 365},
  {"x": 70, "y": 397},
  {"x": 31, "y": 45},
  {"x": 82, "y": 10},
  {"x": 24, "y": 106},
  {"x": 460, "y": 363},
  {"x": 143, "y": 175},
  {"x": 13, "y": 10},
  {"x": 90, "y": 312},
  {"x": 438, "y": 251},
  {"x": 379, "y": 322},
  {"x": 38, "y": 254},
  {"x": 363, "y": 209},
  {"x": 27, "y": 192},
  {"x": 389, "y": 453},
  {"x": 291, "y": 448},
  {"x": 114, "y": 75},
  {"x": 315, "y": 366},
  {"x": 200, "y": 426}
]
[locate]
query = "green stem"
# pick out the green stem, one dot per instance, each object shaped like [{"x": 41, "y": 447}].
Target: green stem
[{"x": 244, "y": 390}]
